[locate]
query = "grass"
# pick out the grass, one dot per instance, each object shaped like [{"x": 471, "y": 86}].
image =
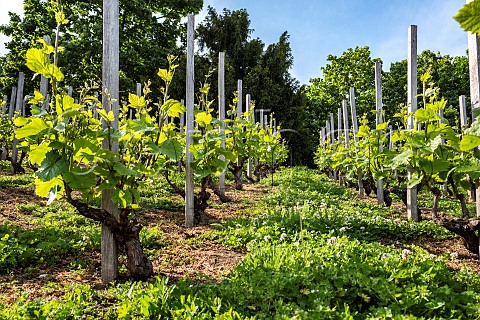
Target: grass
[{"x": 314, "y": 252}]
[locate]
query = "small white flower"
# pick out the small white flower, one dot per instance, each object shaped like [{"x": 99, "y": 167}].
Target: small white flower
[
  {"x": 314, "y": 291},
  {"x": 454, "y": 255},
  {"x": 362, "y": 228},
  {"x": 396, "y": 221},
  {"x": 266, "y": 238},
  {"x": 332, "y": 240},
  {"x": 405, "y": 254},
  {"x": 433, "y": 256},
  {"x": 343, "y": 229},
  {"x": 283, "y": 236}
]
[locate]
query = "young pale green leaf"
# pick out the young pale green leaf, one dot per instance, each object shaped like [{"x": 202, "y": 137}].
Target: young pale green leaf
[
  {"x": 203, "y": 119},
  {"x": 66, "y": 103},
  {"x": 415, "y": 179},
  {"x": 37, "y": 99},
  {"x": 173, "y": 108},
  {"x": 37, "y": 61},
  {"x": 60, "y": 17},
  {"x": 47, "y": 48},
  {"x": 469, "y": 17},
  {"x": 469, "y": 142},
  {"x": 165, "y": 75},
  {"x": 33, "y": 127},
  {"x": 382, "y": 126},
  {"x": 136, "y": 101},
  {"x": 38, "y": 152},
  {"x": 43, "y": 188},
  {"x": 402, "y": 159}
]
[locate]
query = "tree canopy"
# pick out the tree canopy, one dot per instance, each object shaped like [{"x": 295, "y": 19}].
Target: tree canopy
[{"x": 149, "y": 30}]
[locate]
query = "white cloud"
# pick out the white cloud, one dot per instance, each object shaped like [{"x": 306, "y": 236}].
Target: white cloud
[{"x": 8, "y": 6}]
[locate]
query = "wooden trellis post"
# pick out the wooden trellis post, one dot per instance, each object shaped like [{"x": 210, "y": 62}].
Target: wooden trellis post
[
  {"x": 361, "y": 190},
  {"x": 379, "y": 120},
  {"x": 44, "y": 83},
  {"x": 339, "y": 124},
  {"x": 3, "y": 152},
  {"x": 110, "y": 82},
  {"x": 328, "y": 138},
  {"x": 412, "y": 208},
  {"x": 13, "y": 97},
  {"x": 182, "y": 117},
  {"x": 240, "y": 99},
  {"x": 332, "y": 128},
  {"x": 445, "y": 183},
  {"x": 248, "y": 106},
  {"x": 346, "y": 126},
  {"x": 18, "y": 110},
  {"x": 190, "y": 95},
  {"x": 474, "y": 66},
  {"x": 221, "y": 110}
]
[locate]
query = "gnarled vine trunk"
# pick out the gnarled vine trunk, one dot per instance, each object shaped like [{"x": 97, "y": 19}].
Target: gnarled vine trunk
[
  {"x": 468, "y": 229},
  {"x": 127, "y": 234}
]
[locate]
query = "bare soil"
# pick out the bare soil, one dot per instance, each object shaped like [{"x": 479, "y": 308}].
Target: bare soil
[{"x": 181, "y": 257}]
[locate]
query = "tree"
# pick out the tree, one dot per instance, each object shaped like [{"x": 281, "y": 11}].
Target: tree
[
  {"x": 265, "y": 72},
  {"x": 149, "y": 30},
  {"x": 449, "y": 74}
]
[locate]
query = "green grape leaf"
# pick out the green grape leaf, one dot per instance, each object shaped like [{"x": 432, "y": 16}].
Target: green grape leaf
[
  {"x": 173, "y": 108},
  {"x": 402, "y": 158},
  {"x": 38, "y": 152},
  {"x": 122, "y": 170},
  {"x": 469, "y": 142},
  {"x": 435, "y": 166},
  {"x": 382, "y": 126},
  {"x": 37, "y": 61},
  {"x": 52, "y": 166},
  {"x": 81, "y": 179},
  {"x": 203, "y": 119},
  {"x": 469, "y": 17},
  {"x": 43, "y": 188},
  {"x": 172, "y": 149},
  {"x": 165, "y": 75},
  {"x": 136, "y": 101},
  {"x": 37, "y": 99},
  {"x": 33, "y": 127},
  {"x": 415, "y": 179}
]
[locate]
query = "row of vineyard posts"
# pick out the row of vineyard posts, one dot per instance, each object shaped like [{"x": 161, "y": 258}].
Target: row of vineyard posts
[
  {"x": 382, "y": 158},
  {"x": 190, "y": 133}
]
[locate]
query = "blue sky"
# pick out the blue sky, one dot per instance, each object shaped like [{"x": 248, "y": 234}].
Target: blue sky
[{"x": 318, "y": 28}]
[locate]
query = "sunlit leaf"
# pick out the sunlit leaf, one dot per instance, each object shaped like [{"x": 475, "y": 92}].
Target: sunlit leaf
[
  {"x": 469, "y": 17},
  {"x": 469, "y": 142},
  {"x": 203, "y": 119},
  {"x": 33, "y": 127}
]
